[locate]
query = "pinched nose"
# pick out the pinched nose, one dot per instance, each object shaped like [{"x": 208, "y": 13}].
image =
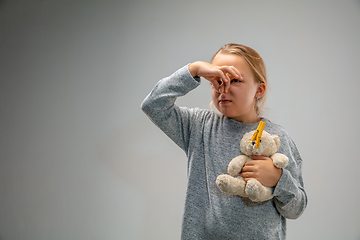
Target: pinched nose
[{"x": 222, "y": 88}]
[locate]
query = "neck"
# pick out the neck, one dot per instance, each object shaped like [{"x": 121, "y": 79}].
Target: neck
[{"x": 247, "y": 119}]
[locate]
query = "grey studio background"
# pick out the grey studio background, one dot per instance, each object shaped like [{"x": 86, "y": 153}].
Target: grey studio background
[{"x": 79, "y": 160}]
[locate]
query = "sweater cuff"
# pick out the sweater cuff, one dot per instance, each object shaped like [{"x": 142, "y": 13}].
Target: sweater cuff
[{"x": 196, "y": 78}]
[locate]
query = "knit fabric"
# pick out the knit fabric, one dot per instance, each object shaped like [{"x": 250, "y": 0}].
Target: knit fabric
[{"x": 210, "y": 142}]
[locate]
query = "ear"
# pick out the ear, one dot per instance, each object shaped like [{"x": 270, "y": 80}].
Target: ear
[
  {"x": 261, "y": 90},
  {"x": 277, "y": 141}
]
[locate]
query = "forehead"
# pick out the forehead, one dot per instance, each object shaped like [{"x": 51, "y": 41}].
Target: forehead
[{"x": 224, "y": 59}]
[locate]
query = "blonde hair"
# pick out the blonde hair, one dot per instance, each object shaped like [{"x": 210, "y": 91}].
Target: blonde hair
[{"x": 256, "y": 63}]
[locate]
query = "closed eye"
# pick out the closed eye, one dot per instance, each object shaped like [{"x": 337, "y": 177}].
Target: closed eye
[{"x": 236, "y": 81}]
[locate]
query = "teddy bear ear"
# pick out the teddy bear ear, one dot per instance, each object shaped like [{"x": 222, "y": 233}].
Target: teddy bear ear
[{"x": 277, "y": 141}]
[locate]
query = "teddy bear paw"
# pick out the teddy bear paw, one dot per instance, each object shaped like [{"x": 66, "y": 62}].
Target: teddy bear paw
[
  {"x": 257, "y": 192},
  {"x": 223, "y": 182},
  {"x": 280, "y": 160},
  {"x": 252, "y": 189},
  {"x": 231, "y": 185}
]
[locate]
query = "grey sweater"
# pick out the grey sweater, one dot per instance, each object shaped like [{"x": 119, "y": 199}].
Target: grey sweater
[{"x": 210, "y": 142}]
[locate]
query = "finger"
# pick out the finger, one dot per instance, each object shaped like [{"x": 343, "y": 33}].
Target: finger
[
  {"x": 215, "y": 85},
  {"x": 227, "y": 84},
  {"x": 228, "y": 74},
  {"x": 223, "y": 78},
  {"x": 247, "y": 175},
  {"x": 237, "y": 72},
  {"x": 247, "y": 168},
  {"x": 247, "y": 179},
  {"x": 240, "y": 76},
  {"x": 222, "y": 75},
  {"x": 222, "y": 87},
  {"x": 215, "y": 82},
  {"x": 250, "y": 163},
  {"x": 232, "y": 71},
  {"x": 219, "y": 74}
]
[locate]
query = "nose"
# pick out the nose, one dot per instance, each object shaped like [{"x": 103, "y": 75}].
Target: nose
[{"x": 222, "y": 87}]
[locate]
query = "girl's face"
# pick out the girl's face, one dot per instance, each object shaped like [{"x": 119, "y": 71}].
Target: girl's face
[{"x": 239, "y": 102}]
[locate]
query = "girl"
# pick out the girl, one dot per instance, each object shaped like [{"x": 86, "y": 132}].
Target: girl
[{"x": 238, "y": 88}]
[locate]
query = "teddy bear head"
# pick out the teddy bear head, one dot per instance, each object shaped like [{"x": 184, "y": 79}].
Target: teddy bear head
[{"x": 268, "y": 145}]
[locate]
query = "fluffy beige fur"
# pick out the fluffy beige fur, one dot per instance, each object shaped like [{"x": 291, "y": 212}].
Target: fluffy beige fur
[{"x": 253, "y": 188}]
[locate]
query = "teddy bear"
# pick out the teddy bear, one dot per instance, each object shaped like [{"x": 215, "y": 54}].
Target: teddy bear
[{"x": 260, "y": 143}]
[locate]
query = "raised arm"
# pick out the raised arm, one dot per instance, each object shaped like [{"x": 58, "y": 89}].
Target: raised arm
[
  {"x": 219, "y": 76},
  {"x": 160, "y": 105}
]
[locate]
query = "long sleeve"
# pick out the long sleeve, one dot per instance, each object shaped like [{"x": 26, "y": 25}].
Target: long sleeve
[
  {"x": 160, "y": 105},
  {"x": 289, "y": 194},
  {"x": 210, "y": 142}
]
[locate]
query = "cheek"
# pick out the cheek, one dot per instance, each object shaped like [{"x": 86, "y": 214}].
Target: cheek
[
  {"x": 245, "y": 96},
  {"x": 214, "y": 97},
  {"x": 214, "y": 94}
]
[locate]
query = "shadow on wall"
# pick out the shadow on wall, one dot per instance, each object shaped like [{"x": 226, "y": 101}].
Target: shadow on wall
[{"x": 2, "y": 2}]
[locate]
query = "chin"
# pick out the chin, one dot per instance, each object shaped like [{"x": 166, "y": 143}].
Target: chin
[{"x": 232, "y": 116}]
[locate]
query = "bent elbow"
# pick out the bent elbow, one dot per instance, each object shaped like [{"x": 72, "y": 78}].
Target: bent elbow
[
  {"x": 293, "y": 209},
  {"x": 145, "y": 106}
]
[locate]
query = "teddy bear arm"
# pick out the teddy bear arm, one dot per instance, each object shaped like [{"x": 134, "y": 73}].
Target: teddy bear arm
[
  {"x": 280, "y": 160},
  {"x": 237, "y": 164}
]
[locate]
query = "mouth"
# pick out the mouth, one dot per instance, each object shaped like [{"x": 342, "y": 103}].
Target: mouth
[{"x": 224, "y": 101}]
